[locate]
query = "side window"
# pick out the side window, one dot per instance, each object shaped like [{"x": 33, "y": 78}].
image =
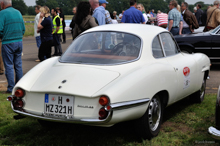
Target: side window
[
  {"x": 156, "y": 48},
  {"x": 169, "y": 45}
]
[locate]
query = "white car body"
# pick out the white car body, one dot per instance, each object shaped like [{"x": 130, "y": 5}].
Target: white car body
[{"x": 130, "y": 86}]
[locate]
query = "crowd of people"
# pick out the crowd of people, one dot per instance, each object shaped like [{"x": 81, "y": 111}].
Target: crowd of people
[
  {"x": 49, "y": 26},
  {"x": 178, "y": 20}
]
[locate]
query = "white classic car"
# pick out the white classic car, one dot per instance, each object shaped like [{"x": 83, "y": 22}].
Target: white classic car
[{"x": 110, "y": 74}]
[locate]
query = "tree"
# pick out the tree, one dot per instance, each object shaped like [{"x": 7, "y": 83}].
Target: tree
[
  {"x": 31, "y": 10},
  {"x": 20, "y": 5},
  {"x": 159, "y": 5},
  {"x": 178, "y": 1},
  {"x": 40, "y": 2},
  {"x": 51, "y": 4},
  {"x": 146, "y": 3},
  {"x": 204, "y": 6},
  {"x": 191, "y": 7}
]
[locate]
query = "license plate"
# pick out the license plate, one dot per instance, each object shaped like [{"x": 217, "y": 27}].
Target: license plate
[{"x": 58, "y": 105}]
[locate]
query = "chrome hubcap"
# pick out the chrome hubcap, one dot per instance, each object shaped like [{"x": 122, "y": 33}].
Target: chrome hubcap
[
  {"x": 202, "y": 90},
  {"x": 154, "y": 113}
]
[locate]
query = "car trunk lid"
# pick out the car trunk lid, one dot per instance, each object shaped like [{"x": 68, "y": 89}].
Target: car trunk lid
[{"x": 73, "y": 80}]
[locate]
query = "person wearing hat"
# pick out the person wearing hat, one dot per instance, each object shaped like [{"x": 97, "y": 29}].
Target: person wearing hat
[
  {"x": 108, "y": 19},
  {"x": 99, "y": 11}
]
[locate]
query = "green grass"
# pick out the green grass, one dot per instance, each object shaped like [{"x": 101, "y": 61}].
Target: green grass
[
  {"x": 184, "y": 124},
  {"x": 29, "y": 29}
]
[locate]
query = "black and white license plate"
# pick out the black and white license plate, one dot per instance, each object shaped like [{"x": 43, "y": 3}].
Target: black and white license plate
[{"x": 58, "y": 105}]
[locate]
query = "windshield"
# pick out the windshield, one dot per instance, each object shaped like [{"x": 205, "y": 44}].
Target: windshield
[
  {"x": 215, "y": 31},
  {"x": 103, "y": 48}
]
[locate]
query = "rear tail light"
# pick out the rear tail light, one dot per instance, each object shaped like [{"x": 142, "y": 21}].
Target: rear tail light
[
  {"x": 18, "y": 104},
  {"x": 9, "y": 98},
  {"x": 103, "y": 113},
  {"x": 19, "y": 93},
  {"x": 108, "y": 108},
  {"x": 103, "y": 100}
]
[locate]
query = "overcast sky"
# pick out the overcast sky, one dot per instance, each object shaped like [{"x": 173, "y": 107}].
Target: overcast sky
[
  {"x": 205, "y": 1},
  {"x": 32, "y": 2}
]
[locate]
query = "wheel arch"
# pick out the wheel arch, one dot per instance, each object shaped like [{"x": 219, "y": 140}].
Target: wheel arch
[
  {"x": 164, "y": 97},
  {"x": 206, "y": 74},
  {"x": 183, "y": 45}
]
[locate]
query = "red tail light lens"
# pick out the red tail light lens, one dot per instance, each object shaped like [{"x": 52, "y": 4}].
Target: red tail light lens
[
  {"x": 103, "y": 100},
  {"x": 18, "y": 104},
  {"x": 19, "y": 93},
  {"x": 103, "y": 113},
  {"x": 9, "y": 98}
]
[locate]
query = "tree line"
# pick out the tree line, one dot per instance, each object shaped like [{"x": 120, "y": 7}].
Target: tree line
[{"x": 114, "y": 5}]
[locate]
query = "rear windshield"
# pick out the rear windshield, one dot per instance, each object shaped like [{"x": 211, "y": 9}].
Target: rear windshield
[{"x": 103, "y": 48}]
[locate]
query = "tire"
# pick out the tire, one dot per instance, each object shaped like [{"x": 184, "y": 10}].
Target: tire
[
  {"x": 148, "y": 126},
  {"x": 186, "y": 50},
  {"x": 199, "y": 95}
]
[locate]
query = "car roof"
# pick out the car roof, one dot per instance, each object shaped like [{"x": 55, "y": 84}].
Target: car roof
[{"x": 141, "y": 30}]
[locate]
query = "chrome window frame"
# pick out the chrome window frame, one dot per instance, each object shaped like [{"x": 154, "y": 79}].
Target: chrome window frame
[
  {"x": 126, "y": 62},
  {"x": 178, "y": 49},
  {"x": 158, "y": 36}
]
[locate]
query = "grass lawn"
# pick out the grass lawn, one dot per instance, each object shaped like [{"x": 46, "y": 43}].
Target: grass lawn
[
  {"x": 184, "y": 123},
  {"x": 29, "y": 29}
]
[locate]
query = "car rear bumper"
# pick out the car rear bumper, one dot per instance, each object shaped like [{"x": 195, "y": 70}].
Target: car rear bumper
[
  {"x": 215, "y": 133},
  {"x": 114, "y": 107}
]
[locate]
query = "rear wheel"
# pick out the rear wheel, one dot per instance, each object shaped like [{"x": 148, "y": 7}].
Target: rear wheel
[
  {"x": 148, "y": 125},
  {"x": 199, "y": 95}
]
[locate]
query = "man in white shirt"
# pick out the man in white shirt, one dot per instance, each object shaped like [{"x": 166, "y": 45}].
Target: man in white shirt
[{"x": 37, "y": 35}]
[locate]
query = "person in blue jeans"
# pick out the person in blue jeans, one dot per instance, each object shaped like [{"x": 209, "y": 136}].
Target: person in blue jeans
[
  {"x": 174, "y": 18},
  {"x": 36, "y": 34},
  {"x": 12, "y": 29}
]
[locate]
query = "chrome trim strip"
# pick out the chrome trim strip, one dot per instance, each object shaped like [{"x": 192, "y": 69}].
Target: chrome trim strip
[
  {"x": 214, "y": 57},
  {"x": 217, "y": 48},
  {"x": 202, "y": 48},
  {"x": 215, "y": 133},
  {"x": 161, "y": 44},
  {"x": 129, "y": 104}
]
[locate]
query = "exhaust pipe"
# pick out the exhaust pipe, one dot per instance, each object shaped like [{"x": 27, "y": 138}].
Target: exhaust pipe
[{"x": 17, "y": 117}]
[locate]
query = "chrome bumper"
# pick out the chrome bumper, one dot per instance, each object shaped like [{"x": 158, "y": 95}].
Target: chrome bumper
[
  {"x": 116, "y": 106},
  {"x": 215, "y": 133}
]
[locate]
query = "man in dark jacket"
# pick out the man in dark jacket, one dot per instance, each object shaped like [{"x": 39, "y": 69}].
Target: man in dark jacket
[
  {"x": 72, "y": 24},
  {"x": 199, "y": 14},
  {"x": 188, "y": 19},
  {"x": 204, "y": 16}
]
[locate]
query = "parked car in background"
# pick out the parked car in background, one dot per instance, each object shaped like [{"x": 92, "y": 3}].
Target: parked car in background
[
  {"x": 206, "y": 42},
  {"x": 215, "y": 131},
  {"x": 110, "y": 74}
]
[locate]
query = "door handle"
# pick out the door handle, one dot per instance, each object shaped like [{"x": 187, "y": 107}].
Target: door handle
[{"x": 176, "y": 69}]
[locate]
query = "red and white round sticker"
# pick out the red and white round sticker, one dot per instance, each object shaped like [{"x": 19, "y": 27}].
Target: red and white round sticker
[{"x": 186, "y": 71}]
